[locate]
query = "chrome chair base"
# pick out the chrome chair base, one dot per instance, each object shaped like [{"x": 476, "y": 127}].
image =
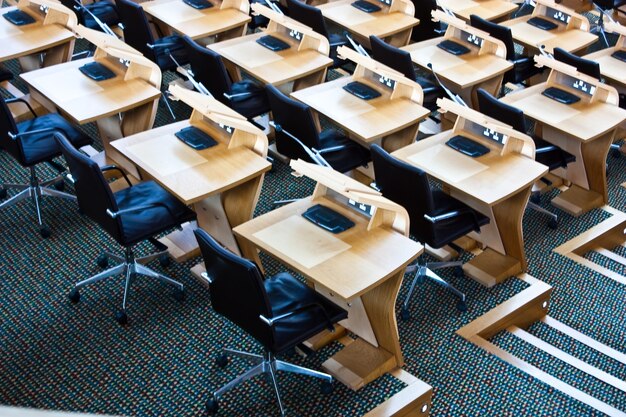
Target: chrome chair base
[
  {"x": 554, "y": 219},
  {"x": 263, "y": 364},
  {"x": 425, "y": 270},
  {"x": 130, "y": 267},
  {"x": 35, "y": 190}
]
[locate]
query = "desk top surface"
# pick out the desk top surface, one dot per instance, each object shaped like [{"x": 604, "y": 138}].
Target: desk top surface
[
  {"x": 611, "y": 68},
  {"x": 571, "y": 40},
  {"x": 490, "y": 178},
  {"x": 369, "y": 120},
  {"x": 193, "y": 22},
  {"x": 84, "y": 99},
  {"x": 463, "y": 70},
  {"x": 379, "y": 23},
  {"x": 189, "y": 174},
  {"x": 487, "y": 9},
  {"x": 268, "y": 66},
  {"x": 348, "y": 264},
  {"x": 585, "y": 121},
  {"x": 17, "y": 41}
]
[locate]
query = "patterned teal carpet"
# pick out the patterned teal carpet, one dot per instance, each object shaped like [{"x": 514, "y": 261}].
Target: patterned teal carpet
[{"x": 57, "y": 355}]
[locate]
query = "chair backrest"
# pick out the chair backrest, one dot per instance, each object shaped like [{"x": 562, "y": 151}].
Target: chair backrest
[
  {"x": 426, "y": 29},
  {"x": 407, "y": 186},
  {"x": 137, "y": 32},
  {"x": 494, "y": 108},
  {"x": 209, "y": 69},
  {"x": 392, "y": 57},
  {"x": 500, "y": 32},
  {"x": 296, "y": 118},
  {"x": 92, "y": 189},
  {"x": 586, "y": 66},
  {"x": 308, "y": 15},
  {"x": 236, "y": 290},
  {"x": 7, "y": 124}
]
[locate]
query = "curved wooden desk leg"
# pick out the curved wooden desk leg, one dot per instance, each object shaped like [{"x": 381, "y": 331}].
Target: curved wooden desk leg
[
  {"x": 491, "y": 266},
  {"x": 232, "y": 33},
  {"x": 401, "y": 138},
  {"x": 58, "y": 54},
  {"x": 400, "y": 39},
  {"x": 310, "y": 80},
  {"x": 492, "y": 86},
  {"x": 588, "y": 175},
  {"x": 359, "y": 363}
]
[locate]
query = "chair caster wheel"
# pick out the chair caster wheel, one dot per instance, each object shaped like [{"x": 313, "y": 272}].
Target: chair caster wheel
[
  {"x": 102, "y": 261},
  {"x": 212, "y": 406},
  {"x": 553, "y": 224},
  {"x": 74, "y": 296},
  {"x": 59, "y": 186},
  {"x": 121, "y": 317},
  {"x": 179, "y": 295},
  {"x": 458, "y": 272},
  {"x": 327, "y": 387},
  {"x": 165, "y": 261},
  {"x": 461, "y": 306},
  {"x": 221, "y": 361},
  {"x": 3, "y": 193},
  {"x": 535, "y": 198},
  {"x": 404, "y": 314},
  {"x": 45, "y": 232}
]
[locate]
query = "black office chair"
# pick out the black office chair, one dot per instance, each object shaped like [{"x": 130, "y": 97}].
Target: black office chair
[
  {"x": 401, "y": 61},
  {"x": 167, "y": 52},
  {"x": 245, "y": 97},
  {"x": 104, "y": 10},
  {"x": 312, "y": 17},
  {"x": 280, "y": 312},
  {"x": 436, "y": 218},
  {"x": 427, "y": 29},
  {"x": 30, "y": 143},
  {"x": 545, "y": 153},
  {"x": 297, "y": 136},
  {"x": 129, "y": 216},
  {"x": 523, "y": 66},
  {"x": 604, "y": 6}
]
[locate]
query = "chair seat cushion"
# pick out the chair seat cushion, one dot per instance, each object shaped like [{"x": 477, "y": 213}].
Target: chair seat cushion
[
  {"x": 174, "y": 45},
  {"x": 104, "y": 10},
  {"x": 41, "y": 147},
  {"x": 285, "y": 294},
  {"x": 554, "y": 157},
  {"x": 344, "y": 160},
  {"x": 166, "y": 212},
  {"x": 446, "y": 231},
  {"x": 523, "y": 68},
  {"x": 252, "y": 105}
]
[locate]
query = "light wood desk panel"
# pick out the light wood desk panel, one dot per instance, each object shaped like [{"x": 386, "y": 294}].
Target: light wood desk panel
[{"x": 492, "y": 10}]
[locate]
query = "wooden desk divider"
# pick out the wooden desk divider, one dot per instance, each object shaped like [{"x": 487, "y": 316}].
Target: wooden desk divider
[
  {"x": 220, "y": 212},
  {"x": 478, "y": 41},
  {"x": 53, "y": 12},
  {"x": 569, "y": 18},
  {"x": 614, "y": 27},
  {"x": 374, "y": 73},
  {"x": 292, "y": 31}
]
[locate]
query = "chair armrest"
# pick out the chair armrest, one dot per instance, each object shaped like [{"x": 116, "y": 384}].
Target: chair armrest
[
  {"x": 314, "y": 306},
  {"x": 115, "y": 168},
  {"x": 338, "y": 44},
  {"x": 452, "y": 214},
  {"x": 331, "y": 149},
  {"x": 14, "y": 136},
  {"x": 115, "y": 214},
  {"x": 21, "y": 100},
  {"x": 238, "y": 96},
  {"x": 546, "y": 149},
  {"x": 315, "y": 155}
]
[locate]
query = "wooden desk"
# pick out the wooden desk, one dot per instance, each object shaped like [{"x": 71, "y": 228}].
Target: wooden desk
[
  {"x": 585, "y": 129},
  {"x": 222, "y": 183},
  {"x": 393, "y": 23},
  {"x": 612, "y": 69},
  {"x": 47, "y": 41},
  {"x": 133, "y": 92},
  {"x": 304, "y": 63},
  {"x": 572, "y": 35},
  {"x": 492, "y": 10},
  {"x": 392, "y": 119},
  {"x": 496, "y": 184},
  {"x": 483, "y": 67},
  {"x": 360, "y": 269},
  {"x": 227, "y": 18}
]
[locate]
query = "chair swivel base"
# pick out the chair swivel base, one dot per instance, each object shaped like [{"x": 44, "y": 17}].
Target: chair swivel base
[
  {"x": 426, "y": 271},
  {"x": 130, "y": 267},
  {"x": 35, "y": 190},
  {"x": 263, "y": 364},
  {"x": 553, "y": 223}
]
